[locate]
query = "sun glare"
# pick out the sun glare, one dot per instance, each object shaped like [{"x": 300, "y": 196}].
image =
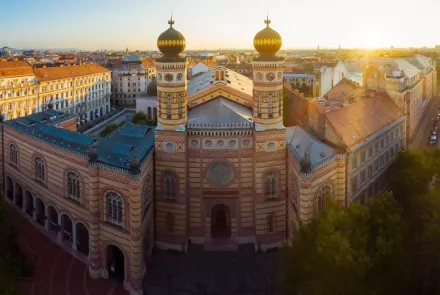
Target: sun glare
[{"x": 369, "y": 39}]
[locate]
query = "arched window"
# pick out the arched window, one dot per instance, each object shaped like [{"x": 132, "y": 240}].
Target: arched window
[
  {"x": 115, "y": 206},
  {"x": 170, "y": 186},
  {"x": 13, "y": 154},
  {"x": 269, "y": 106},
  {"x": 40, "y": 170},
  {"x": 323, "y": 193},
  {"x": 147, "y": 195},
  {"x": 271, "y": 223},
  {"x": 169, "y": 223},
  {"x": 260, "y": 105},
  {"x": 73, "y": 186},
  {"x": 169, "y": 104},
  {"x": 180, "y": 109},
  {"x": 271, "y": 185}
]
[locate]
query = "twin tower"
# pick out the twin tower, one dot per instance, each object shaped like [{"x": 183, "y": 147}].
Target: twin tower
[{"x": 172, "y": 80}]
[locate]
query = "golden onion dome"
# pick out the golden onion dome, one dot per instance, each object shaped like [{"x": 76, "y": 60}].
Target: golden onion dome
[
  {"x": 171, "y": 42},
  {"x": 267, "y": 41}
]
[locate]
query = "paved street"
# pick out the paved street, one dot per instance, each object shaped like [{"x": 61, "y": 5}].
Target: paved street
[{"x": 427, "y": 126}]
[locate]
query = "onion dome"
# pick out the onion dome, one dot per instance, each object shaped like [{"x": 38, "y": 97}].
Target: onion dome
[
  {"x": 306, "y": 164},
  {"x": 134, "y": 165},
  {"x": 93, "y": 154},
  {"x": 267, "y": 41},
  {"x": 171, "y": 42},
  {"x": 152, "y": 88}
]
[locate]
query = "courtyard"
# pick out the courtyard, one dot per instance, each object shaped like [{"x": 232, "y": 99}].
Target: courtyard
[{"x": 213, "y": 273}]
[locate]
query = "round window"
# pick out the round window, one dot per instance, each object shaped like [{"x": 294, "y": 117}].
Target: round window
[
  {"x": 179, "y": 77},
  {"x": 270, "y": 76},
  {"x": 168, "y": 77},
  {"x": 221, "y": 173},
  {"x": 220, "y": 143},
  {"x": 208, "y": 144}
]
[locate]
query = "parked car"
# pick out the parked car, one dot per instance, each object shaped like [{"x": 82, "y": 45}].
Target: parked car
[
  {"x": 434, "y": 132},
  {"x": 433, "y": 140}
]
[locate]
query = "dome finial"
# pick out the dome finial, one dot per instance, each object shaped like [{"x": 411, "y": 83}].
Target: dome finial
[
  {"x": 267, "y": 21},
  {"x": 171, "y": 22}
]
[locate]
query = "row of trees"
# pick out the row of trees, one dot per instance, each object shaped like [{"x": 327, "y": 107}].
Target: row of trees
[{"x": 389, "y": 246}]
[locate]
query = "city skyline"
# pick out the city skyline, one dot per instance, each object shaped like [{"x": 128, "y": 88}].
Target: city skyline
[{"x": 99, "y": 24}]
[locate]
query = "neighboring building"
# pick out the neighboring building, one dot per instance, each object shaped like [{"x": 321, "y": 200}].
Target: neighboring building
[
  {"x": 245, "y": 69},
  {"x": 353, "y": 132},
  {"x": 148, "y": 104},
  {"x": 18, "y": 89},
  {"x": 198, "y": 68},
  {"x": 130, "y": 78},
  {"x": 410, "y": 84},
  {"x": 83, "y": 90}
]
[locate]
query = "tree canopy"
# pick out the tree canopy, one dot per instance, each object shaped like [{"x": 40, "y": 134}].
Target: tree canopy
[
  {"x": 389, "y": 246},
  {"x": 141, "y": 119}
]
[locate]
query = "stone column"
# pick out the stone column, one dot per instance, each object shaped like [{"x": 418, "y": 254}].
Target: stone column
[
  {"x": 34, "y": 209},
  {"x": 74, "y": 246},
  {"x": 13, "y": 193},
  {"x": 46, "y": 218},
  {"x": 24, "y": 201},
  {"x": 61, "y": 229},
  {"x": 94, "y": 251},
  {"x": 136, "y": 251}
]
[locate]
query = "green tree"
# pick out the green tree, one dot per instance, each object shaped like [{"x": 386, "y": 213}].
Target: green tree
[
  {"x": 346, "y": 250},
  {"x": 141, "y": 119}
]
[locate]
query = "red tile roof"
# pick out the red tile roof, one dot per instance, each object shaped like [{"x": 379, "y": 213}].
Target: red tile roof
[
  {"x": 360, "y": 120},
  {"x": 55, "y": 73},
  {"x": 147, "y": 63},
  {"x": 15, "y": 68},
  {"x": 345, "y": 91}
]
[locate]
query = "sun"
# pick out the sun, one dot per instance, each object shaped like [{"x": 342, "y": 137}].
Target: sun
[{"x": 369, "y": 39}]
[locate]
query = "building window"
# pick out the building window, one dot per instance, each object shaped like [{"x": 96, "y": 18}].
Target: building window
[
  {"x": 269, "y": 106},
  {"x": 376, "y": 147},
  {"x": 370, "y": 152},
  {"x": 169, "y": 223},
  {"x": 260, "y": 105},
  {"x": 392, "y": 136},
  {"x": 169, "y": 105},
  {"x": 363, "y": 176},
  {"x": 370, "y": 171},
  {"x": 13, "y": 155},
  {"x": 271, "y": 223},
  {"x": 39, "y": 170},
  {"x": 363, "y": 157},
  {"x": 114, "y": 209},
  {"x": 355, "y": 162},
  {"x": 323, "y": 194},
  {"x": 73, "y": 187},
  {"x": 381, "y": 162},
  {"x": 381, "y": 143},
  {"x": 271, "y": 185},
  {"x": 170, "y": 186},
  {"x": 180, "y": 106},
  {"x": 354, "y": 184}
]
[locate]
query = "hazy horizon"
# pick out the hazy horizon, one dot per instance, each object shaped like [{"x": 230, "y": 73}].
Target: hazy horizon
[{"x": 136, "y": 24}]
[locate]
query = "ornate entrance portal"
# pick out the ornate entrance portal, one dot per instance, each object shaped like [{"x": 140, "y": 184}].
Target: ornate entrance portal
[{"x": 220, "y": 221}]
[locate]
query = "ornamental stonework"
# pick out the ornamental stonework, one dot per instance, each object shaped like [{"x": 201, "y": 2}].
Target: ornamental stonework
[
  {"x": 163, "y": 97},
  {"x": 220, "y": 173},
  {"x": 276, "y": 95}
]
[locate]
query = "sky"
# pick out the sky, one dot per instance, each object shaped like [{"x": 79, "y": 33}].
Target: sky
[{"x": 219, "y": 24}]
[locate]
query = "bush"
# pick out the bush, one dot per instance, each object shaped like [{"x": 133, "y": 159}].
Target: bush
[{"x": 108, "y": 129}]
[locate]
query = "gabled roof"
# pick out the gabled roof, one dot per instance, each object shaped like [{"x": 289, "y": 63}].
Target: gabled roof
[
  {"x": 232, "y": 79},
  {"x": 344, "y": 91},
  {"x": 220, "y": 113},
  {"x": 358, "y": 121}
]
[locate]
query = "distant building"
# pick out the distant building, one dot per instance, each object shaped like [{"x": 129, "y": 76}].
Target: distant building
[
  {"x": 6, "y": 52},
  {"x": 130, "y": 78}
]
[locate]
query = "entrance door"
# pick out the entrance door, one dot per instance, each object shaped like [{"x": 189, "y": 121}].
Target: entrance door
[
  {"x": 220, "y": 222},
  {"x": 116, "y": 267}
]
